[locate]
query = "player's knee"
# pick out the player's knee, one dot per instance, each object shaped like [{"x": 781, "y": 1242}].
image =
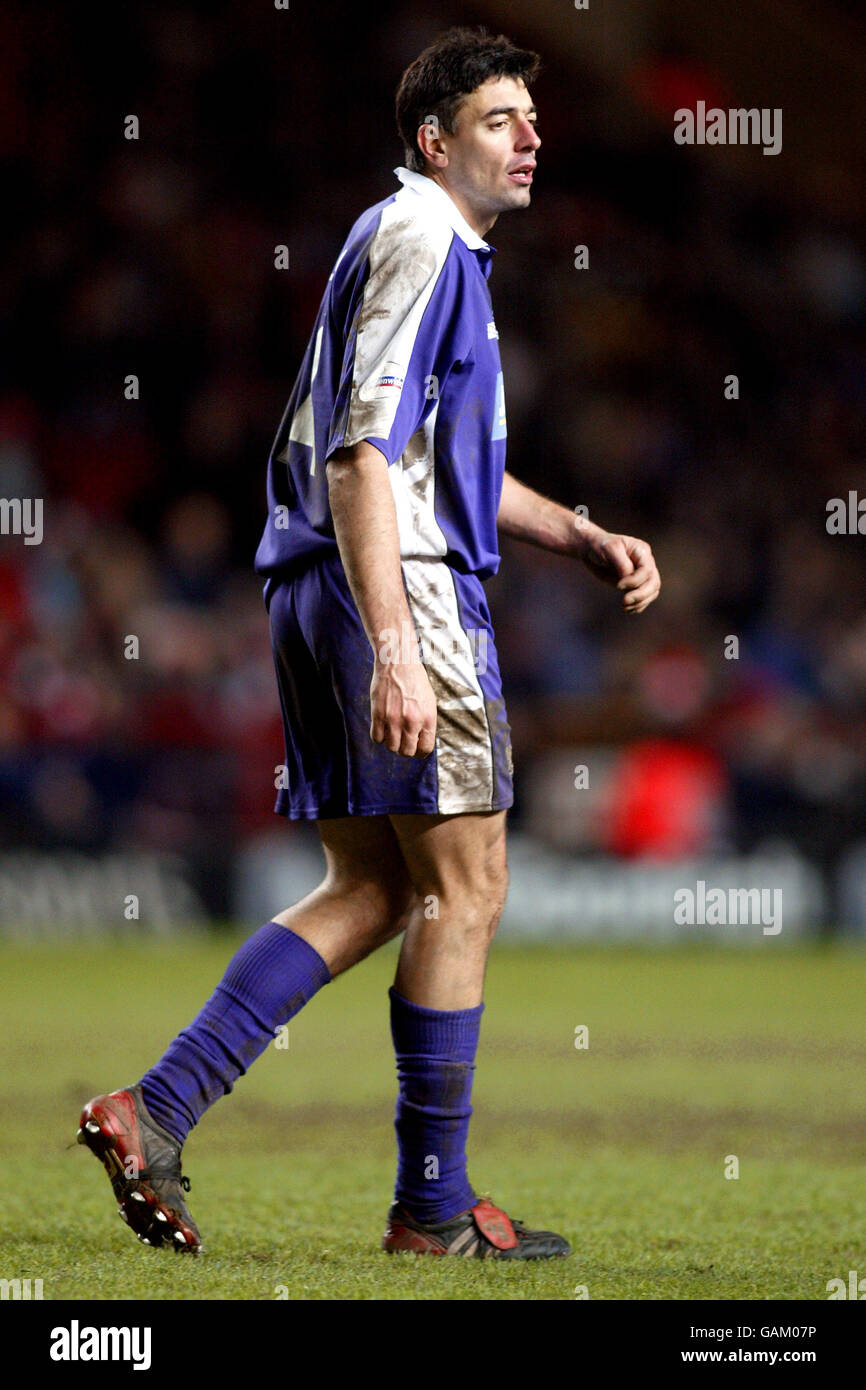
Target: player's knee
[
  {"x": 399, "y": 904},
  {"x": 381, "y": 904},
  {"x": 389, "y": 905},
  {"x": 493, "y": 887},
  {"x": 498, "y": 902},
  {"x": 472, "y": 906}
]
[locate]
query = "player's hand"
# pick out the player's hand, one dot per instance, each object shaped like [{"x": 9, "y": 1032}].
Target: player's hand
[
  {"x": 403, "y": 708},
  {"x": 624, "y": 561}
]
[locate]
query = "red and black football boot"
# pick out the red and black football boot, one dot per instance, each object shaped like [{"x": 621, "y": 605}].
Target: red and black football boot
[
  {"x": 482, "y": 1232},
  {"x": 143, "y": 1162}
]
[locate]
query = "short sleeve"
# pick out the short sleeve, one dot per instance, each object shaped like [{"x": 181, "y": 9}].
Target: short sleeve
[{"x": 404, "y": 340}]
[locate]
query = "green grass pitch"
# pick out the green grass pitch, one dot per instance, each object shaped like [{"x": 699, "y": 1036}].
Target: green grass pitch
[{"x": 694, "y": 1055}]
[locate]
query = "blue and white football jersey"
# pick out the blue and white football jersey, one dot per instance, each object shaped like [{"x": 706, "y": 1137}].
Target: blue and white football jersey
[{"x": 404, "y": 353}]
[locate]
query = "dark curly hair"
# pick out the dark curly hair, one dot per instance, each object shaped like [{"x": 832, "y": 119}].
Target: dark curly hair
[{"x": 449, "y": 70}]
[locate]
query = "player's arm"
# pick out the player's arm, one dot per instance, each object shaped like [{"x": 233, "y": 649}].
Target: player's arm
[
  {"x": 621, "y": 560},
  {"x": 402, "y": 703}
]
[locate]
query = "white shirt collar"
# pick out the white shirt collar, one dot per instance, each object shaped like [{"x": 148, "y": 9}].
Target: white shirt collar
[{"x": 439, "y": 198}]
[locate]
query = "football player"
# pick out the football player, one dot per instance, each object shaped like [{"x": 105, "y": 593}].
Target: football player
[{"x": 387, "y": 491}]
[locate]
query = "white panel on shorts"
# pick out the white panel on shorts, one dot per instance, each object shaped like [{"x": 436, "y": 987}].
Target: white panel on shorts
[{"x": 464, "y": 752}]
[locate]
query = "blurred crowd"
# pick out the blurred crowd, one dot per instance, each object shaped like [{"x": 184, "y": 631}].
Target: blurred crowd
[{"x": 154, "y": 258}]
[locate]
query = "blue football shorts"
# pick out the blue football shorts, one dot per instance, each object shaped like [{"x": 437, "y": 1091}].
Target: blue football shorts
[{"x": 324, "y": 665}]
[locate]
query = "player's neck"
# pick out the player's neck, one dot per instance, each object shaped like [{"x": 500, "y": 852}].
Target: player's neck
[{"x": 480, "y": 221}]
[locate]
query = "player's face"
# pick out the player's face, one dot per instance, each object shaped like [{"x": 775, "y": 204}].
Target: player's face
[{"x": 491, "y": 157}]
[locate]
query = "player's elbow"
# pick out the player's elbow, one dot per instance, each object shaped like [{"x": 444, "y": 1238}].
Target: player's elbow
[{"x": 358, "y": 461}]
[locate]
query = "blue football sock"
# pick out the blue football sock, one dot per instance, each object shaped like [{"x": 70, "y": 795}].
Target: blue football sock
[
  {"x": 268, "y": 981},
  {"x": 435, "y": 1051}
]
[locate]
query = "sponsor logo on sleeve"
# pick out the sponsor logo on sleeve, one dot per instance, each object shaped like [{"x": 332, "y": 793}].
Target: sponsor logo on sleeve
[{"x": 389, "y": 381}]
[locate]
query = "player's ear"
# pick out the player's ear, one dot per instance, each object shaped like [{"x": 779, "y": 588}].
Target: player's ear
[{"x": 429, "y": 138}]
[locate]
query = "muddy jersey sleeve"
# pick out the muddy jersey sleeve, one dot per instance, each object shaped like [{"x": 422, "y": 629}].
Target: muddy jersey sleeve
[{"x": 407, "y": 333}]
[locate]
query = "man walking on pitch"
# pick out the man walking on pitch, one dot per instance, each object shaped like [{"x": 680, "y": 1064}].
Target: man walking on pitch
[{"x": 386, "y": 489}]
